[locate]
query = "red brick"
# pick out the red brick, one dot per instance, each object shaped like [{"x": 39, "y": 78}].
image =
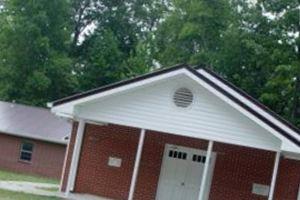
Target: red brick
[
  {"x": 47, "y": 158},
  {"x": 236, "y": 169}
]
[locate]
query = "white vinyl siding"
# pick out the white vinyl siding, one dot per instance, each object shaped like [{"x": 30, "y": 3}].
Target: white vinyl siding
[{"x": 152, "y": 108}]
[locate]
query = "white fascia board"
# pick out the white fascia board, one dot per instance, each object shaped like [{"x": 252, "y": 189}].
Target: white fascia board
[
  {"x": 68, "y": 108},
  {"x": 65, "y": 115},
  {"x": 240, "y": 109},
  {"x": 291, "y": 156},
  {"x": 249, "y": 103},
  {"x": 63, "y": 110},
  {"x": 289, "y": 147},
  {"x": 162, "y": 129}
]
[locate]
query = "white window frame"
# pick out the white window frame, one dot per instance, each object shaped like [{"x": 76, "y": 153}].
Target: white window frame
[{"x": 26, "y": 151}]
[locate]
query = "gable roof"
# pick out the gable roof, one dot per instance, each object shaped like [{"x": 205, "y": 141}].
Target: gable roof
[
  {"x": 33, "y": 122},
  {"x": 254, "y": 101},
  {"x": 238, "y": 96},
  {"x": 115, "y": 85}
]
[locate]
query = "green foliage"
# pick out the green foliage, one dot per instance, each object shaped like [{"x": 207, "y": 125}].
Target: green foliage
[
  {"x": 192, "y": 31},
  {"x": 50, "y": 49},
  {"x": 33, "y": 43},
  {"x": 100, "y": 61},
  {"x": 254, "y": 45},
  {"x": 282, "y": 89},
  {"x": 117, "y": 48}
]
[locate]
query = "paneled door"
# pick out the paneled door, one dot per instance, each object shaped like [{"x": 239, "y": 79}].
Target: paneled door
[{"x": 181, "y": 173}]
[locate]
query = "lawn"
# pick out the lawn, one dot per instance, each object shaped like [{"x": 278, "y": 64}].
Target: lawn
[
  {"x": 8, "y": 195},
  {"x": 11, "y": 195},
  {"x": 12, "y": 176}
]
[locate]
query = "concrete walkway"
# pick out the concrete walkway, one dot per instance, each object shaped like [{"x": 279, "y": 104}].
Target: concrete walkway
[
  {"x": 44, "y": 189},
  {"x": 85, "y": 197}
]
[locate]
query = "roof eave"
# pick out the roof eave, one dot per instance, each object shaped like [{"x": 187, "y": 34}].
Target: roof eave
[
  {"x": 61, "y": 142},
  {"x": 96, "y": 91}
]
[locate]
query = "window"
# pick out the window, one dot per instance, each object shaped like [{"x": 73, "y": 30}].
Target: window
[
  {"x": 177, "y": 154},
  {"x": 199, "y": 158},
  {"x": 26, "y": 151}
]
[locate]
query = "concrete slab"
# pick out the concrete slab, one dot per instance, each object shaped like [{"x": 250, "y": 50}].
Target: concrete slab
[
  {"x": 43, "y": 189},
  {"x": 75, "y": 196}
]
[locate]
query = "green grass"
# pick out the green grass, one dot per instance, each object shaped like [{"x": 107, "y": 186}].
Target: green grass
[
  {"x": 12, "y": 176},
  {"x": 8, "y": 195}
]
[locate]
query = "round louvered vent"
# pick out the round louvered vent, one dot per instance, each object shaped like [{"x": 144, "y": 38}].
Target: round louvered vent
[{"x": 183, "y": 97}]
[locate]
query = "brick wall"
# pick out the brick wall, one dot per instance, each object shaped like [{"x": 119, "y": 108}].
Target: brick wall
[
  {"x": 288, "y": 180},
  {"x": 47, "y": 158},
  {"x": 237, "y": 168},
  {"x": 99, "y": 178}
]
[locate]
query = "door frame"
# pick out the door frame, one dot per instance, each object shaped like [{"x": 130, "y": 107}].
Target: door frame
[{"x": 201, "y": 152}]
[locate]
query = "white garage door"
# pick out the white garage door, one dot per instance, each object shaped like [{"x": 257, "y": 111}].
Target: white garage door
[{"x": 181, "y": 173}]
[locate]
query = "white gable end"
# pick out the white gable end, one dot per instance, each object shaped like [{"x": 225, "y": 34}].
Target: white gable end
[{"x": 152, "y": 107}]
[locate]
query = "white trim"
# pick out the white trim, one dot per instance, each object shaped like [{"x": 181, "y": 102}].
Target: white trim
[
  {"x": 75, "y": 157},
  {"x": 291, "y": 156},
  {"x": 274, "y": 176},
  {"x": 68, "y": 108},
  {"x": 26, "y": 151},
  {"x": 90, "y": 121},
  {"x": 137, "y": 164},
  {"x": 197, "y": 136},
  {"x": 64, "y": 166},
  {"x": 63, "y": 115},
  {"x": 298, "y": 193},
  {"x": 206, "y": 170},
  {"x": 249, "y": 103},
  {"x": 118, "y": 90},
  {"x": 239, "y": 108}
]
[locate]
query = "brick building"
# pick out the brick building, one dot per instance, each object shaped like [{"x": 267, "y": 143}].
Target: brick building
[
  {"x": 178, "y": 134},
  {"x": 32, "y": 140}
]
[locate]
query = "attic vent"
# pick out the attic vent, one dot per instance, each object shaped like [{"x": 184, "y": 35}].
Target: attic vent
[{"x": 183, "y": 97}]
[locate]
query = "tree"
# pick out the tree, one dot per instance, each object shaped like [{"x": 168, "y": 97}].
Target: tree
[
  {"x": 244, "y": 57},
  {"x": 255, "y": 45},
  {"x": 50, "y": 49},
  {"x": 47, "y": 47},
  {"x": 116, "y": 48},
  {"x": 192, "y": 31},
  {"x": 34, "y": 40},
  {"x": 261, "y": 54},
  {"x": 282, "y": 90}
]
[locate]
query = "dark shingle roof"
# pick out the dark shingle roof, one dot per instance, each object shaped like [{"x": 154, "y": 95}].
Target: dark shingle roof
[{"x": 33, "y": 122}]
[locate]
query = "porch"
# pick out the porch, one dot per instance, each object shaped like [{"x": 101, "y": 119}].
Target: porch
[
  {"x": 118, "y": 162},
  {"x": 120, "y": 148}
]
